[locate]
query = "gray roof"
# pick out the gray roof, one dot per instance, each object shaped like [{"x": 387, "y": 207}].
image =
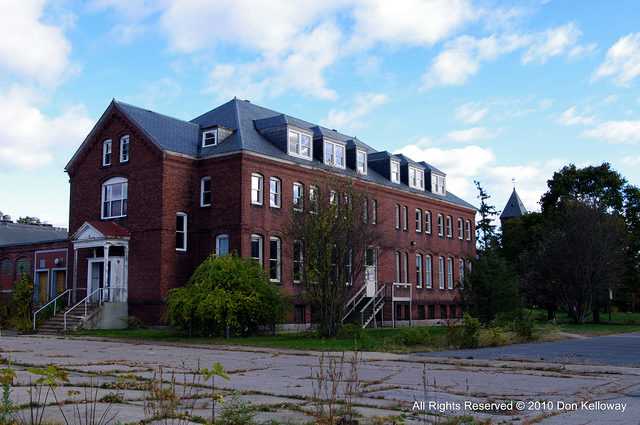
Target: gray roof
[
  {"x": 514, "y": 207},
  {"x": 247, "y": 119},
  {"x": 21, "y": 234}
]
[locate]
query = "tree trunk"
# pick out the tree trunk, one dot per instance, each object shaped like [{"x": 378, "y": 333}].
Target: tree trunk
[
  {"x": 596, "y": 313},
  {"x": 551, "y": 312}
]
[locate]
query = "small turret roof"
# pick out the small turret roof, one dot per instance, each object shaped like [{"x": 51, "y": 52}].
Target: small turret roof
[{"x": 514, "y": 207}]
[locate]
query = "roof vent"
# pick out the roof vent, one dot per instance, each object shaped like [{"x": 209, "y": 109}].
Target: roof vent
[
  {"x": 247, "y": 100},
  {"x": 6, "y": 218},
  {"x": 34, "y": 220}
]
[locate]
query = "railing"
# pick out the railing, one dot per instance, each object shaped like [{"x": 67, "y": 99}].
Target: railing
[
  {"x": 55, "y": 305},
  {"x": 100, "y": 292},
  {"x": 353, "y": 302},
  {"x": 377, "y": 301}
]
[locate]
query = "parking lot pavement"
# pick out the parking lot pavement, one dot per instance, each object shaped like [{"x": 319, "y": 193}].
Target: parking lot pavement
[
  {"x": 615, "y": 350},
  {"x": 279, "y": 383}
]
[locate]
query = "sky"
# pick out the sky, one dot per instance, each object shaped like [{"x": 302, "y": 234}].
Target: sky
[{"x": 503, "y": 92}]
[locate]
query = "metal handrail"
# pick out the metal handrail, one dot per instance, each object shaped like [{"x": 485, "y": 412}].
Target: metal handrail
[
  {"x": 353, "y": 300},
  {"x": 84, "y": 300},
  {"x": 55, "y": 304},
  {"x": 373, "y": 299}
]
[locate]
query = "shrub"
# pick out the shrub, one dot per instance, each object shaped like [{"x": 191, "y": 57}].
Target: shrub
[
  {"x": 236, "y": 412},
  {"x": 470, "y": 331},
  {"x": 23, "y": 297},
  {"x": 352, "y": 331},
  {"x": 416, "y": 336},
  {"x": 226, "y": 292},
  {"x": 492, "y": 337}
]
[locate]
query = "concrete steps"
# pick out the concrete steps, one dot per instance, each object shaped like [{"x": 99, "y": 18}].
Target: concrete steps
[{"x": 55, "y": 324}]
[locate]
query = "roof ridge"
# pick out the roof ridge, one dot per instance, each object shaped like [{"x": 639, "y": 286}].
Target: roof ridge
[{"x": 118, "y": 102}]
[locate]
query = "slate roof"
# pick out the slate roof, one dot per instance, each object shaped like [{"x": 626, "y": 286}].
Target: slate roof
[
  {"x": 514, "y": 207},
  {"x": 247, "y": 119},
  {"x": 23, "y": 234}
]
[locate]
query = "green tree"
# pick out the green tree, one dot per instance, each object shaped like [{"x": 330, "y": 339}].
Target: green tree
[
  {"x": 26, "y": 220},
  {"x": 485, "y": 226},
  {"x": 226, "y": 292},
  {"x": 333, "y": 233}
]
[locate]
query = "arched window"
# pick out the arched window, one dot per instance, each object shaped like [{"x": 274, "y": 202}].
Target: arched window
[
  {"x": 256, "y": 188},
  {"x": 427, "y": 222},
  {"x": 298, "y": 196},
  {"x": 275, "y": 192},
  {"x": 114, "y": 198},
  {"x": 275, "y": 264}
]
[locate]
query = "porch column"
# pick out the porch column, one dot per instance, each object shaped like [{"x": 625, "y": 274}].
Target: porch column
[
  {"x": 125, "y": 295},
  {"x": 106, "y": 278},
  {"x": 75, "y": 272}
]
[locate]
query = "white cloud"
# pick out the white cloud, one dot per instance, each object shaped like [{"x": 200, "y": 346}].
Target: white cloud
[
  {"x": 363, "y": 105},
  {"x": 622, "y": 61},
  {"x": 569, "y": 117},
  {"x": 30, "y": 49},
  {"x": 552, "y": 42},
  {"x": 462, "y": 57},
  {"x": 616, "y": 132},
  {"x": 632, "y": 160},
  {"x": 470, "y": 134},
  {"x": 29, "y": 138},
  {"x": 470, "y": 113},
  {"x": 581, "y": 51}
]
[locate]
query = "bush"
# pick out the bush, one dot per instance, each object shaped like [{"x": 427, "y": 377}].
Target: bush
[
  {"x": 470, "y": 331},
  {"x": 416, "y": 336},
  {"x": 352, "y": 331},
  {"x": 23, "y": 297},
  {"x": 492, "y": 337},
  {"x": 226, "y": 292},
  {"x": 236, "y": 412}
]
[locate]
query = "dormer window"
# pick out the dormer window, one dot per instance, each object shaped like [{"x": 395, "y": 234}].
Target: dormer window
[
  {"x": 210, "y": 138},
  {"x": 361, "y": 161},
  {"x": 299, "y": 144},
  {"x": 416, "y": 178},
  {"x": 438, "y": 184},
  {"x": 395, "y": 171},
  {"x": 334, "y": 154}
]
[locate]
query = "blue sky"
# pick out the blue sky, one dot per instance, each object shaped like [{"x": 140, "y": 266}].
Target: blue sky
[{"x": 483, "y": 90}]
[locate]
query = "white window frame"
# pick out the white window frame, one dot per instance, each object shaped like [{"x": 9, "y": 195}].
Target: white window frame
[
  {"x": 275, "y": 192},
  {"x": 181, "y": 233},
  {"x": 298, "y": 262},
  {"x": 397, "y": 216},
  {"x": 418, "y": 270},
  {"x": 219, "y": 247},
  {"x": 365, "y": 210},
  {"x": 468, "y": 229},
  {"x": 397, "y": 267},
  {"x": 257, "y": 189},
  {"x": 298, "y": 196},
  {"x": 418, "y": 220},
  {"x": 256, "y": 238},
  {"x": 449, "y": 273},
  {"x": 428, "y": 277},
  {"x": 441, "y": 272},
  {"x": 107, "y": 189},
  {"x": 416, "y": 178},
  {"x": 427, "y": 222},
  {"x": 297, "y": 144},
  {"x": 406, "y": 267},
  {"x": 460, "y": 229},
  {"x": 124, "y": 149},
  {"x": 362, "y": 169},
  {"x": 449, "y": 227},
  {"x": 438, "y": 184},
  {"x": 275, "y": 261},
  {"x": 106, "y": 152},
  {"x": 204, "y": 192},
  {"x": 331, "y": 157},
  {"x": 461, "y": 272},
  {"x": 374, "y": 211},
  {"x": 405, "y": 217},
  {"x": 394, "y": 171},
  {"x": 206, "y": 138},
  {"x": 440, "y": 225},
  {"x": 313, "y": 198}
]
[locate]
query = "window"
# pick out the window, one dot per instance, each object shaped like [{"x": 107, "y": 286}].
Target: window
[
  {"x": 114, "y": 198},
  {"x": 406, "y": 267},
  {"x": 416, "y": 178},
  {"x": 431, "y": 311},
  {"x": 427, "y": 222},
  {"x": 222, "y": 244},
  {"x": 256, "y": 189},
  {"x": 298, "y": 196},
  {"x": 313, "y": 198},
  {"x": 374, "y": 211},
  {"x": 437, "y": 184},
  {"x": 297, "y": 262},
  {"x": 452, "y": 311},
  {"x": 441, "y": 272},
  {"x": 428, "y": 282},
  {"x": 405, "y": 218},
  {"x": 106, "y": 152},
  {"x": 421, "y": 312},
  {"x": 440, "y": 225},
  {"x": 205, "y": 192},
  {"x": 299, "y": 144},
  {"x": 397, "y": 267},
  {"x": 395, "y": 171},
  {"x": 181, "y": 231},
  {"x": 124, "y": 149},
  {"x": 443, "y": 311},
  {"x": 299, "y": 314},
  {"x": 23, "y": 266},
  {"x": 461, "y": 273},
  {"x": 397, "y": 216},
  {"x": 333, "y": 197},
  {"x": 449, "y": 226},
  {"x": 348, "y": 269},
  {"x": 6, "y": 267},
  {"x": 334, "y": 154},
  {"x": 274, "y": 259},
  {"x": 418, "y": 271},
  {"x": 274, "y": 192},
  {"x": 210, "y": 138},
  {"x": 449, "y": 273},
  {"x": 460, "y": 230},
  {"x": 365, "y": 210},
  {"x": 361, "y": 161},
  {"x": 418, "y": 220},
  {"x": 468, "y": 229},
  {"x": 256, "y": 248}
]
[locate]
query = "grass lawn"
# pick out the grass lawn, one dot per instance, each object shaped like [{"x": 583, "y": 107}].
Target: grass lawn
[{"x": 389, "y": 339}]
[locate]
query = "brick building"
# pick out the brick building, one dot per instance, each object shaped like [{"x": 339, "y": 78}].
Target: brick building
[{"x": 152, "y": 196}]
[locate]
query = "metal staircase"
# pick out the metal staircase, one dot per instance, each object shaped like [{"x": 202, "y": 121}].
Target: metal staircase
[{"x": 363, "y": 309}]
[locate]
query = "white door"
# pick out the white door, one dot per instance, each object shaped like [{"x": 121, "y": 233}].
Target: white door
[
  {"x": 95, "y": 280},
  {"x": 116, "y": 291},
  {"x": 371, "y": 271}
]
